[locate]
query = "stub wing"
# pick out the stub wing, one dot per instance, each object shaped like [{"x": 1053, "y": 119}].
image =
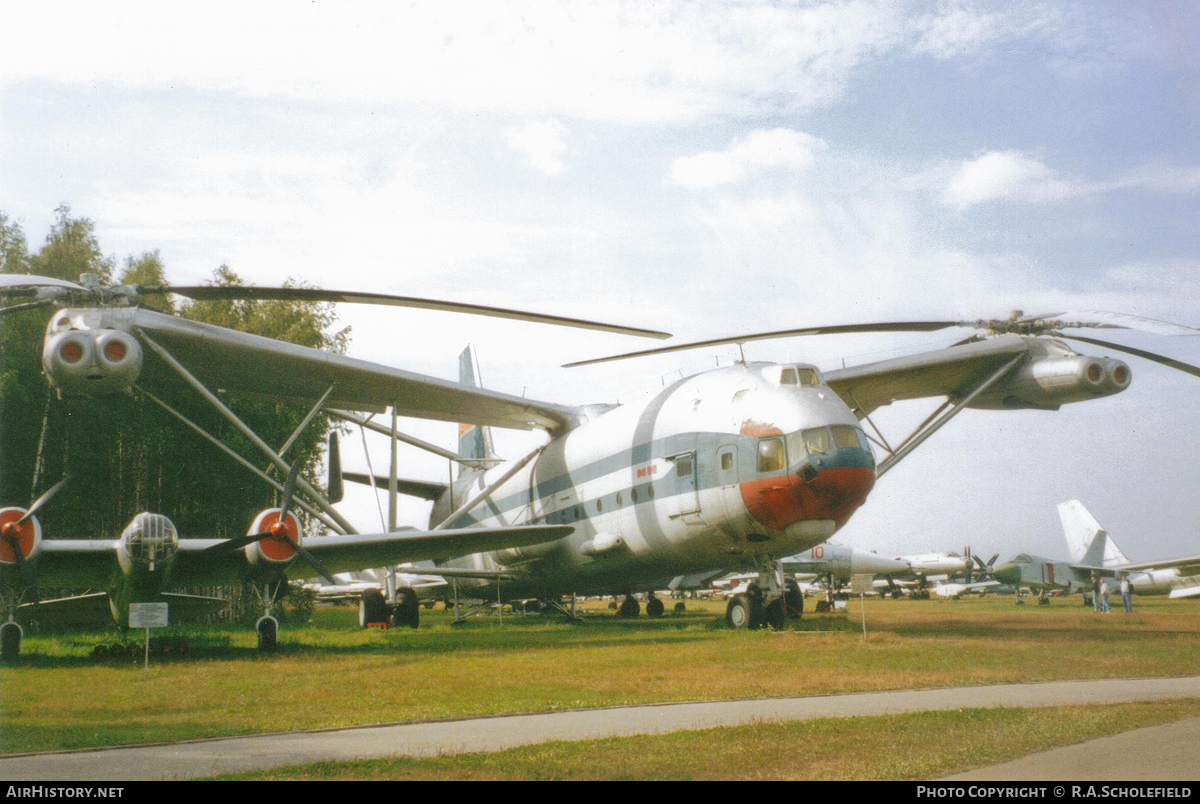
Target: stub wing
[
  {"x": 360, "y": 551},
  {"x": 952, "y": 372},
  {"x": 239, "y": 362}
]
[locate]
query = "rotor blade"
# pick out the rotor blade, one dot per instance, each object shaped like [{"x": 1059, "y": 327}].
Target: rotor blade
[
  {"x": 312, "y": 561},
  {"x": 1110, "y": 320},
  {"x": 236, "y": 293},
  {"x": 45, "y": 498},
  {"x": 1166, "y": 361},
  {"x": 19, "y": 282},
  {"x": 16, "y": 308},
  {"x": 899, "y": 326}
]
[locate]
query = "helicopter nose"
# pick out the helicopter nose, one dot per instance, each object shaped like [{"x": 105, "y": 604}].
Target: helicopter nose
[{"x": 831, "y": 489}]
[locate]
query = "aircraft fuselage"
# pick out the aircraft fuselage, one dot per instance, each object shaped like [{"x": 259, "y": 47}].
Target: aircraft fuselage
[{"x": 724, "y": 470}]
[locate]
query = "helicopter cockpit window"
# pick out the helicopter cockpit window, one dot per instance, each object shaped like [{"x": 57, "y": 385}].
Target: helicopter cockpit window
[
  {"x": 816, "y": 440},
  {"x": 1022, "y": 559},
  {"x": 788, "y": 376},
  {"x": 795, "y": 447},
  {"x": 808, "y": 376},
  {"x": 770, "y": 454},
  {"x": 845, "y": 436},
  {"x": 795, "y": 375}
]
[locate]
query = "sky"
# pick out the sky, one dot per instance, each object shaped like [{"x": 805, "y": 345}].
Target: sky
[{"x": 704, "y": 168}]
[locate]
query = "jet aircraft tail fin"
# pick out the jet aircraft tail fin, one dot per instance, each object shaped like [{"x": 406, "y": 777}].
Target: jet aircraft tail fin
[
  {"x": 1087, "y": 542},
  {"x": 474, "y": 441}
]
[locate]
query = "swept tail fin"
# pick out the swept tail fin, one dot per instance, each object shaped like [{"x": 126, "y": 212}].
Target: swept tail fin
[
  {"x": 474, "y": 441},
  {"x": 1087, "y": 542}
]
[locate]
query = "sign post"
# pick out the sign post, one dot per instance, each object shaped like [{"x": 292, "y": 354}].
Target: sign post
[
  {"x": 859, "y": 585},
  {"x": 147, "y": 615}
]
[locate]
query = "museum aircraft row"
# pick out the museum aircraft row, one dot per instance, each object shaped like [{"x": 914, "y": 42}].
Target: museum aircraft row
[
  {"x": 733, "y": 468},
  {"x": 1094, "y": 554}
]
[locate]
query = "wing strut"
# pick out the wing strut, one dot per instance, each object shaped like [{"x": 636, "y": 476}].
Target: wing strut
[
  {"x": 254, "y": 469},
  {"x": 931, "y": 426},
  {"x": 487, "y": 492},
  {"x": 363, "y": 421},
  {"x": 245, "y": 430}
]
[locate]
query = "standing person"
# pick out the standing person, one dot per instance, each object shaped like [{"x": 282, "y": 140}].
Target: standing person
[
  {"x": 1104, "y": 609},
  {"x": 1126, "y": 593},
  {"x": 1095, "y": 593}
]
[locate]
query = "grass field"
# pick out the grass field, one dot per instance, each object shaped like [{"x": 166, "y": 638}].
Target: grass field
[{"x": 330, "y": 673}]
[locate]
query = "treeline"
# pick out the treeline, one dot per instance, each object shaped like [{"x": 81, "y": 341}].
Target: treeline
[{"x": 125, "y": 454}]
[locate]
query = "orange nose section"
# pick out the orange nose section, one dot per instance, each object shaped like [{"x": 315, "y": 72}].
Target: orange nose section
[{"x": 835, "y": 493}]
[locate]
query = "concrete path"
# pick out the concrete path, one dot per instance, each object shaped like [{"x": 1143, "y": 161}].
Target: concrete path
[{"x": 207, "y": 757}]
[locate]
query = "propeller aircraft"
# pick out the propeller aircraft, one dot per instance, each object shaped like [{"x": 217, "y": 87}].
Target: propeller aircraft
[{"x": 732, "y": 468}]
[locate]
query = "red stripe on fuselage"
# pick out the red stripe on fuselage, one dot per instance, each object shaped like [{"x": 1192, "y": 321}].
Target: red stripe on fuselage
[{"x": 783, "y": 500}]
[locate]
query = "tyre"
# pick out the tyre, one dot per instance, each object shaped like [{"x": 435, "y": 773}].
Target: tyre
[
  {"x": 739, "y": 612},
  {"x": 794, "y": 600},
  {"x": 630, "y": 608},
  {"x": 371, "y": 608},
  {"x": 680, "y": 606},
  {"x": 775, "y": 614},
  {"x": 407, "y": 610},
  {"x": 268, "y": 631},
  {"x": 654, "y": 607}
]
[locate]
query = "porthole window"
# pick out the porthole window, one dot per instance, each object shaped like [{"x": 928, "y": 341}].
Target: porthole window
[
  {"x": 683, "y": 466},
  {"x": 650, "y": 490},
  {"x": 633, "y": 495},
  {"x": 726, "y": 461},
  {"x": 620, "y": 500},
  {"x": 599, "y": 506}
]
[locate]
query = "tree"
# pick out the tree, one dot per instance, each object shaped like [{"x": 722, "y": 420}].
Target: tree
[{"x": 125, "y": 454}]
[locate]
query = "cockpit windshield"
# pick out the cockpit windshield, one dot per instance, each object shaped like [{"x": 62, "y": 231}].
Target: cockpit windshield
[{"x": 803, "y": 443}]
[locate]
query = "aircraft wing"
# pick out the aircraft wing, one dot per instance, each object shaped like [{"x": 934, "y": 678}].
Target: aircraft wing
[
  {"x": 240, "y": 362},
  {"x": 952, "y": 372},
  {"x": 357, "y": 551},
  {"x": 77, "y": 563},
  {"x": 1186, "y": 566}
]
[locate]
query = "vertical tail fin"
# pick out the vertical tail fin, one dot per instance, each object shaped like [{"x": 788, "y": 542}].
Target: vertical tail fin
[
  {"x": 1087, "y": 542},
  {"x": 474, "y": 441}
]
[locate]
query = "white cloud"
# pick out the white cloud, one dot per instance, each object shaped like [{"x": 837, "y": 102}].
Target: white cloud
[
  {"x": 1008, "y": 176},
  {"x": 542, "y": 144},
  {"x": 758, "y": 151}
]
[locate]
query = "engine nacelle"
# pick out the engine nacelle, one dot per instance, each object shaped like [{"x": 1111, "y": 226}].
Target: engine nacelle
[
  {"x": 1048, "y": 382},
  {"x": 90, "y": 362},
  {"x": 28, "y": 536},
  {"x": 272, "y": 552}
]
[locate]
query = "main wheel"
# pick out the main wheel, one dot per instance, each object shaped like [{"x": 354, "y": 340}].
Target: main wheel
[
  {"x": 407, "y": 610},
  {"x": 371, "y": 608},
  {"x": 10, "y": 641},
  {"x": 794, "y": 599},
  {"x": 775, "y": 614},
  {"x": 744, "y": 611},
  {"x": 654, "y": 607},
  {"x": 630, "y": 608}
]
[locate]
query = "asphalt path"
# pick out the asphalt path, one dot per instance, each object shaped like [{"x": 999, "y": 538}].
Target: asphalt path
[{"x": 237, "y": 754}]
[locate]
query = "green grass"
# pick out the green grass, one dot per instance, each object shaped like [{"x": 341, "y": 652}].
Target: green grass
[
  {"x": 332, "y": 674},
  {"x": 922, "y": 745}
]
